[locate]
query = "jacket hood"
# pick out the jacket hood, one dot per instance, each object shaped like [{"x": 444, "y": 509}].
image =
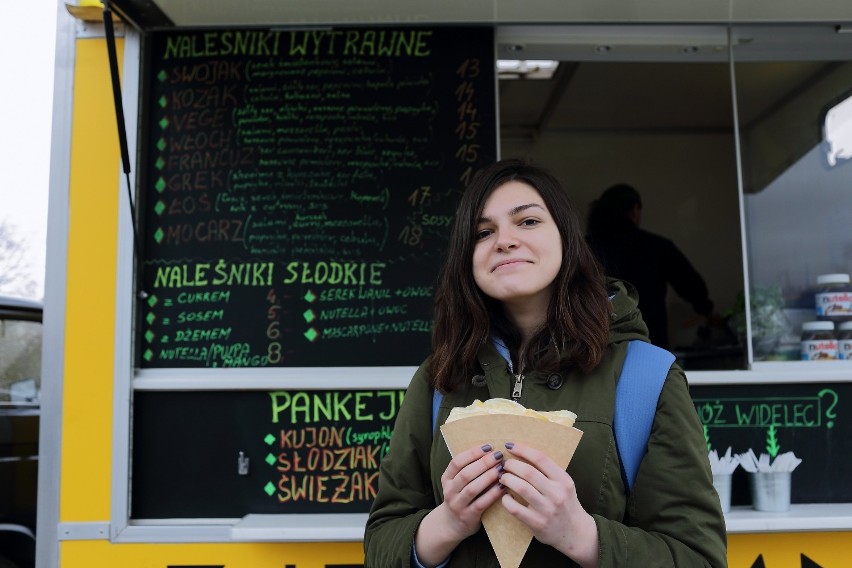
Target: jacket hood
[{"x": 627, "y": 322}]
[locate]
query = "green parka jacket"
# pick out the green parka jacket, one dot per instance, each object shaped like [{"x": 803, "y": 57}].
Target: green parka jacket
[{"x": 672, "y": 518}]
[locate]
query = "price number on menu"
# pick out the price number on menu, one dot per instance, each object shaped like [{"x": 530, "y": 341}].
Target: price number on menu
[
  {"x": 467, "y": 112},
  {"x": 273, "y": 331}
]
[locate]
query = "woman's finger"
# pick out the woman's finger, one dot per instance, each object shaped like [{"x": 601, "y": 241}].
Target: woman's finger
[
  {"x": 539, "y": 459},
  {"x": 465, "y": 458},
  {"x": 478, "y": 476}
]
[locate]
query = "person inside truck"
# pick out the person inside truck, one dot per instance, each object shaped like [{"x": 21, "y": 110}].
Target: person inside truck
[{"x": 646, "y": 260}]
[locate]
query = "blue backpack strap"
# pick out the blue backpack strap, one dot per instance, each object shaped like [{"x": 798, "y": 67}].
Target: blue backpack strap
[
  {"x": 436, "y": 404},
  {"x": 639, "y": 386}
]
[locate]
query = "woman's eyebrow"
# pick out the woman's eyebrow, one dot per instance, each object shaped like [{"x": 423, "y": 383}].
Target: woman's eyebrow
[
  {"x": 520, "y": 208},
  {"x": 512, "y": 212}
]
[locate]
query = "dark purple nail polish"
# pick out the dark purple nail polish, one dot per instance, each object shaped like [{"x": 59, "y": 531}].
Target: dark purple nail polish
[
  {"x": 486, "y": 448},
  {"x": 501, "y": 467},
  {"x": 510, "y": 445},
  {"x": 498, "y": 456}
]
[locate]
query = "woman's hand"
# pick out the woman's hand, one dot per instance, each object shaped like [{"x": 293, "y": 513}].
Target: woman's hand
[
  {"x": 470, "y": 487},
  {"x": 553, "y": 512}
]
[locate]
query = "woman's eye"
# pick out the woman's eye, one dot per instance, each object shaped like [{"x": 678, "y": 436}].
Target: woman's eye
[
  {"x": 482, "y": 233},
  {"x": 530, "y": 222}
]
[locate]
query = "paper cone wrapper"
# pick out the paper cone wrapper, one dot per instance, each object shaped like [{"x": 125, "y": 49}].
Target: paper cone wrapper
[{"x": 509, "y": 537}]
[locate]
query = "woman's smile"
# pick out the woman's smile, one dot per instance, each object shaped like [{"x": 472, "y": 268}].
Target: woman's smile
[{"x": 510, "y": 263}]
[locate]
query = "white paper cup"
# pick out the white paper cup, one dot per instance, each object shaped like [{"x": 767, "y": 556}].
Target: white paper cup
[
  {"x": 770, "y": 491},
  {"x": 722, "y": 484}
]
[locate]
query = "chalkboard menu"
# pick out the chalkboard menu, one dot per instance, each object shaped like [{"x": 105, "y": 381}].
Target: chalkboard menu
[
  {"x": 298, "y": 190},
  {"x": 812, "y": 420},
  {"x": 264, "y": 452}
]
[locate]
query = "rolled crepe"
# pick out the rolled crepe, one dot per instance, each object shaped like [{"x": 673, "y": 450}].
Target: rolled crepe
[{"x": 506, "y": 406}]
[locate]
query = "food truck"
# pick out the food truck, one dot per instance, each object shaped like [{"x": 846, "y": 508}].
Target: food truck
[{"x": 249, "y": 202}]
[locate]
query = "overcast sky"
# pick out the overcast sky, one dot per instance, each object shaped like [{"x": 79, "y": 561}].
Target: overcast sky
[{"x": 27, "y": 42}]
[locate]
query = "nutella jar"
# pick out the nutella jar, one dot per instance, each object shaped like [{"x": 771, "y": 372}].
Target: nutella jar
[
  {"x": 833, "y": 298},
  {"x": 844, "y": 341},
  {"x": 818, "y": 341}
]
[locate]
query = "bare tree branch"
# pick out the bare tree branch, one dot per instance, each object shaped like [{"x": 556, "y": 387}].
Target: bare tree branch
[{"x": 15, "y": 267}]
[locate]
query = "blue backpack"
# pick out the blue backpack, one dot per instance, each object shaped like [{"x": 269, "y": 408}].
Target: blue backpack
[{"x": 639, "y": 386}]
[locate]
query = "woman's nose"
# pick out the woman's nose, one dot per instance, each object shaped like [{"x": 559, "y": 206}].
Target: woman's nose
[{"x": 506, "y": 241}]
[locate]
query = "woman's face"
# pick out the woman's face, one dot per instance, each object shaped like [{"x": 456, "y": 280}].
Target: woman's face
[{"x": 518, "y": 250}]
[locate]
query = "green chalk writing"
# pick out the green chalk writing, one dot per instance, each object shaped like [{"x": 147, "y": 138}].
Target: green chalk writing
[{"x": 788, "y": 412}]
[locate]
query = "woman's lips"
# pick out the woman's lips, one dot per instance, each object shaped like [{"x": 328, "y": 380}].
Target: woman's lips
[{"x": 509, "y": 263}]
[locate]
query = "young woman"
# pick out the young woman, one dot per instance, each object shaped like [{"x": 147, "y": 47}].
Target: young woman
[{"x": 519, "y": 279}]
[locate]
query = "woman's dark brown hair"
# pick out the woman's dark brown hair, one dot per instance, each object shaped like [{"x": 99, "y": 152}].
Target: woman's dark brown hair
[{"x": 577, "y": 325}]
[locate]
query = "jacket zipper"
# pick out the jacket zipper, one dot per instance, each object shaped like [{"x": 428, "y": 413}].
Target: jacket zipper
[
  {"x": 516, "y": 390},
  {"x": 519, "y": 380}
]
